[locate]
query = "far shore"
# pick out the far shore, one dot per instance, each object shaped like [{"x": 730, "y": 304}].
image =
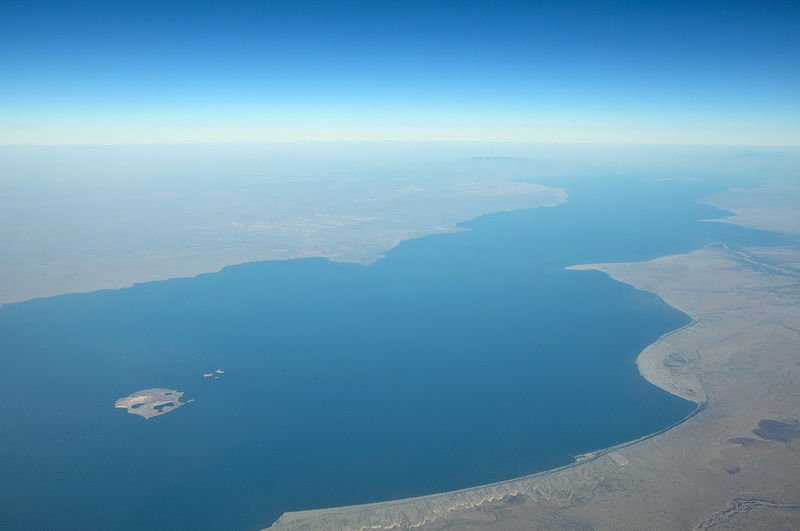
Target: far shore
[{"x": 359, "y": 226}]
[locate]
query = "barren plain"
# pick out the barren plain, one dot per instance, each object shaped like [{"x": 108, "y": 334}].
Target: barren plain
[
  {"x": 149, "y": 403},
  {"x": 90, "y": 237}
]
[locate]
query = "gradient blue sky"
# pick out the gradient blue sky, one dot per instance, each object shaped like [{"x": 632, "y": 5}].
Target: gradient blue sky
[{"x": 652, "y": 72}]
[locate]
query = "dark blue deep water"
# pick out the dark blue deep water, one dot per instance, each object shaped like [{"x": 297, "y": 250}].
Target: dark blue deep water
[{"x": 457, "y": 360}]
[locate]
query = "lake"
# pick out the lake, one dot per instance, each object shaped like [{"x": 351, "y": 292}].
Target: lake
[{"x": 457, "y": 360}]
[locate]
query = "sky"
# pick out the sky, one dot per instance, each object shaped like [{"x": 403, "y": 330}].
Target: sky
[{"x": 700, "y": 72}]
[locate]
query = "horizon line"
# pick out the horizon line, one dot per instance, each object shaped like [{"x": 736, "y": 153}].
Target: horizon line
[{"x": 397, "y": 141}]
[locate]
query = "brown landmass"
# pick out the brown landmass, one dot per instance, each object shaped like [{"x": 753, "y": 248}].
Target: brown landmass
[
  {"x": 748, "y": 206},
  {"x": 95, "y": 238},
  {"x": 149, "y": 403}
]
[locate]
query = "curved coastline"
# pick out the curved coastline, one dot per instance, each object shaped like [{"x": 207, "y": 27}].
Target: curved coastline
[
  {"x": 632, "y": 466},
  {"x": 489, "y": 446},
  {"x": 419, "y": 511},
  {"x": 744, "y": 331}
]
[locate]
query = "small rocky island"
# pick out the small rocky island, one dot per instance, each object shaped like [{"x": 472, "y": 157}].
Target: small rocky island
[{"x": 150, "y": 403}]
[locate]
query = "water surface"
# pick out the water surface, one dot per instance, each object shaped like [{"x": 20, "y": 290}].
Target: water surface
[{"x": 457, "y": 360}]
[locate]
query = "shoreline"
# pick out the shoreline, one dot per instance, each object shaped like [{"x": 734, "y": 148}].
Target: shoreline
[
  {"x": 287, "y": 519},
  {"x": 744, "y": 331},
  {"x": 358, "y": 228}
]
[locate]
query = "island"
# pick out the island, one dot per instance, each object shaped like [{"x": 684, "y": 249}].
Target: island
[{"x": 149, "y": 403}]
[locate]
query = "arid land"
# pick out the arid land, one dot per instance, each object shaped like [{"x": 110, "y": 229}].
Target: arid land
[
  {"x": 92, "y": 238},
  {"x": 733, "y": 464},
  {"x": 149, "y": 403}
]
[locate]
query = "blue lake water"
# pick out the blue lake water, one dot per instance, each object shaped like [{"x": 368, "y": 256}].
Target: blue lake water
[{"x": 457, "y": 360}]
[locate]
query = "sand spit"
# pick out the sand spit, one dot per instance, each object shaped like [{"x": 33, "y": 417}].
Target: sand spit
[{"x": 739, "y": 360}]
